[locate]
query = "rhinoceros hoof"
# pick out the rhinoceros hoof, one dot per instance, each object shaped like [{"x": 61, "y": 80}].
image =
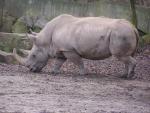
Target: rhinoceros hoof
[
  {"x": 124, "y": 76},
  {"x": 54, "y": 72},
  {"x": 83, "y": 72},
  {"x": 131, "y": 75}
]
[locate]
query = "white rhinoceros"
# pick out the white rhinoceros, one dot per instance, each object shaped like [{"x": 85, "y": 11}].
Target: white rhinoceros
[{"x": 96, "y": 38}]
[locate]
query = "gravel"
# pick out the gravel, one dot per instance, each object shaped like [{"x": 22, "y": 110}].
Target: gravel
[{"x": 101, "y": 91}]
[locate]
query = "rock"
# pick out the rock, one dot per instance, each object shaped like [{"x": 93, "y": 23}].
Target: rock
[
  {"x": 33, "y": 21},
  {"x": 41, "y": 22}
]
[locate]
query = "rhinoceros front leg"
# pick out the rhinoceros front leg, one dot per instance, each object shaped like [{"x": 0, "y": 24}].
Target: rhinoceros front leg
[
  {"x": 77, "y": 60},
  {"x": 58, "y": 63}
]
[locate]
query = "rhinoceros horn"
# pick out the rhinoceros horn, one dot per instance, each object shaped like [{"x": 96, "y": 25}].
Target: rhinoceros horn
[
  {"x": 21, "y": 60},
  {"x": 32, "y": 37}
]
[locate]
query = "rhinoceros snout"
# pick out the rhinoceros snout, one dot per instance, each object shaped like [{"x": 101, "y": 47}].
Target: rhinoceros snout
[{"x": 35, "y": 69}]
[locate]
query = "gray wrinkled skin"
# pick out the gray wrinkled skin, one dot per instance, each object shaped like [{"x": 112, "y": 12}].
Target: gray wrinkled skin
[{"x": 72, "y": 38}]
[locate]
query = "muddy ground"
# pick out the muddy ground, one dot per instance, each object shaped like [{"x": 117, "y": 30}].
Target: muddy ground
[{"x": 101, "y": 91}]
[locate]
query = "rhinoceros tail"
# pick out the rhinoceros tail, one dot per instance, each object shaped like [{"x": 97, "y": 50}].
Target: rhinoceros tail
[{"x": 137, "y": 41}]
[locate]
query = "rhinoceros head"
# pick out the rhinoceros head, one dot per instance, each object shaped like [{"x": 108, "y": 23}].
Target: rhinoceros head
[{"x": 37, "y": 57}]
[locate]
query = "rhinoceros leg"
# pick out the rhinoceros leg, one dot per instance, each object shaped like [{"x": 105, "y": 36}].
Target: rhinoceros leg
[
  {"x": 130, "y": 63},
  {"x": 131, "y": 67},
  {"x": 77, "y": 60},
  {"x": 58, "y": 63},
  {"x": 125, "y": 74}
]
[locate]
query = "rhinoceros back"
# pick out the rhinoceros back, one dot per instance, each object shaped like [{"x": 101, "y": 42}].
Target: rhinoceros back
[{"x": 94, "y": 37}]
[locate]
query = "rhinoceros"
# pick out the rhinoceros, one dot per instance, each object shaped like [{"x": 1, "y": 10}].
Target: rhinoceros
[{"x": 73, "y": 38}]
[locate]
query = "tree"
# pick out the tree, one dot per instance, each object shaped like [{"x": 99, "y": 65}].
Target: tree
[
  {"x": 2, "y": 2},
  {"x": 134, "y": 16}
]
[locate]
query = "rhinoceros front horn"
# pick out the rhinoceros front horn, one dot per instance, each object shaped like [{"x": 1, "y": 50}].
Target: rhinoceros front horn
[{"x": 21, "y": 60}]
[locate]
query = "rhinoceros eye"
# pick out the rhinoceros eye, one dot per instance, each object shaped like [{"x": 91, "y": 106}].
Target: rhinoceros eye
[{"x": 33, "y": 56}]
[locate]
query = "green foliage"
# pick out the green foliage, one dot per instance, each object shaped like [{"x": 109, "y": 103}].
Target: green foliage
[
  {"x": 7, "y": 23},
  {"x": 37, "y": 29},
  {"x": 19, "y": 27},
  {"x": 141, "y": 42},
  {"x": 9, "y": 42},
  {"x": 146, "y": 39}
]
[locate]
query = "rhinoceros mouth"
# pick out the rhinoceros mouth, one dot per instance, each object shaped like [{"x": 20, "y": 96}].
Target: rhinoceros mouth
[{"x": 35, "y": 70}]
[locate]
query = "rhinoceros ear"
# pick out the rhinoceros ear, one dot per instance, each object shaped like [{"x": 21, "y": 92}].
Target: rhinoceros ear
[
  {"x": 33, "y": 38},
  {"x": 33, "y": 33}
]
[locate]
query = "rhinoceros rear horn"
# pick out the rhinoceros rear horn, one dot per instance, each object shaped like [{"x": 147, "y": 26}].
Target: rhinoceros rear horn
[
  {"x": 18, "y": 58},
  {"x": 32, "y": 37}
]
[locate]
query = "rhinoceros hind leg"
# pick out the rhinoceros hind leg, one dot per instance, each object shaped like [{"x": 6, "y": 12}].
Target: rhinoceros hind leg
[
  {"x": 125, "y": 73},
  {"x": 130, "y": 64},
  {"x": 58, "y": 63},
  {"x": 131, "y": 69},
  {"x": 77, "y": 60}
]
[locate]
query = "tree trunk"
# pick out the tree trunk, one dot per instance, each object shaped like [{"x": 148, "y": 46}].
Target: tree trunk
[
  {"x": 134, "y": 17},
  {"x": 2, "y": 13}
]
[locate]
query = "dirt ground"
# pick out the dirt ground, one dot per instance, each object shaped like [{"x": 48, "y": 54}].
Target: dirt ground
[{"x": 101, "y": 91}]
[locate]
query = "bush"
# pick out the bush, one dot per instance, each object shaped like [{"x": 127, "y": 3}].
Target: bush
[
  {"x": 146, "y": 39},
  {"x": 19, "y": 27},
  {"x": 8, "y": 21}
]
